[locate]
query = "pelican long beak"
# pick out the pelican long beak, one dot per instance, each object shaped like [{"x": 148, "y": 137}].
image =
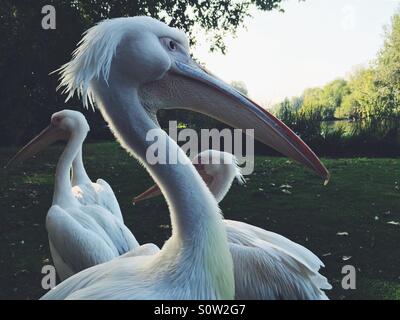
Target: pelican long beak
[
  {"x": 48, "y": 136},
  {"x": 151, "y": 192},
  {"x": 189, "y": 86},
  {"x": 155, "y": 191}
]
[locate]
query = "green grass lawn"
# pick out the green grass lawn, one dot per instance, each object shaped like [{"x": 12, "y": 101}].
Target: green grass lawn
[{"x": 362, "y": 197}]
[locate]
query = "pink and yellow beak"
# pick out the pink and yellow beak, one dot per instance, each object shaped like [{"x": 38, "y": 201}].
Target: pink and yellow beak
[
  {"x": 189, "y": 86},
  {"x": 48, "y": 136}
]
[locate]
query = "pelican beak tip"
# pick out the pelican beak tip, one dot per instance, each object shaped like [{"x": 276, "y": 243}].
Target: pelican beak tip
[{"x": 327, "y": 179}]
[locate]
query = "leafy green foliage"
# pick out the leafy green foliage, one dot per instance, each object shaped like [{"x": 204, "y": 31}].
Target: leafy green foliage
[
  {"x": 28, "y": 53},
  {"x": 361, "y": 100},
  {"x": 370, "y": 98},
  {"x": 324, "y": 100},
  {"x": 387, "y": 78},
  {"x": 372, "y": 92}
]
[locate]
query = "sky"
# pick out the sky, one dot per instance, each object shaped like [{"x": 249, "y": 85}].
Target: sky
[{"x": 279, "y": 55}]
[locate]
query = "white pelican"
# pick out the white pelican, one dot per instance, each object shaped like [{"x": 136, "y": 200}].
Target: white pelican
[
  {"x": 266, "y": 265},
  {"x": 80, "y": 235},
  {"x": 131, "y": 67}
]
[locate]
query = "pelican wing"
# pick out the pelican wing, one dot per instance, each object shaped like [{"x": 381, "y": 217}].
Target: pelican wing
[
  {"x": 269, "y": 274},
  {"x": 99, "y": 193},
  {"x": 106, "y": 198},
  {"x": 74, "y": 246},
  {"x": 85, "y": 194},
  {"x": 269, "y": 259},
  {"x": 111, "y": 229},
  {"x": 79, "y": 281},
  {"x": 99, "y": 202},
  {"x": 239, "y": 231},
  {"x": 115, "y": 279}
]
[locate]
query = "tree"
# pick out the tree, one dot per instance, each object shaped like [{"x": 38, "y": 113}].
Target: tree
[
  {"x": 28, "y": 53},
  {"x": 288, "y": 107},
  {"x": 312, "y": 100},
  {"x": 332, "y": 96},
  {"x": 387, "y": 76},
  {"x": 361, "y": 100},
  {"x": 325, "y": 100},
  {"x": 296, "y": 103},
  {"x": 285, "y": 110},
  {"x": 375, "y": 91},
  {"x": 217, "y": 17}
]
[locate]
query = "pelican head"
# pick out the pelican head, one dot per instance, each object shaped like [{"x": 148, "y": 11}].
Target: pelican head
[
  {"x": 144, "y": 59},
  {"x": 214, "y": 163},
  {"x": 62, "y": 125},
  {"x": 138, "y": 49},
  {"x": 69, "y": 121},
  {"x": 218, "y": 170}
]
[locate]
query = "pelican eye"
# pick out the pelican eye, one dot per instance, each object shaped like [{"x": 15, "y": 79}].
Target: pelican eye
[{"x": 172, "y": 45}]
